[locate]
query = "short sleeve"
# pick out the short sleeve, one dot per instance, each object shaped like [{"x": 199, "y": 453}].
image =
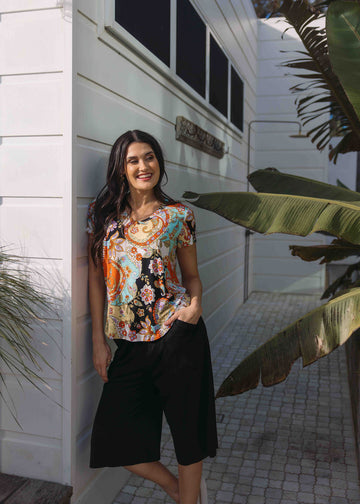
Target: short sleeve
[
  {"x": 187, "y": 235},
  {"x": 90, "y": 228}
]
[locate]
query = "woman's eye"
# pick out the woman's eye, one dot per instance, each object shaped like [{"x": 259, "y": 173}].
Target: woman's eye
[{"x": 150, "y": 158}]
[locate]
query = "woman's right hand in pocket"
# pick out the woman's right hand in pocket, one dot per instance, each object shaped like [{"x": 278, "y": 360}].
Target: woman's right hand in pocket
[{"x": 101, "y": 358}]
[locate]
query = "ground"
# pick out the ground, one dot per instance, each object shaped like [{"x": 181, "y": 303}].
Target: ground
[{"x": 288, "y": 444}]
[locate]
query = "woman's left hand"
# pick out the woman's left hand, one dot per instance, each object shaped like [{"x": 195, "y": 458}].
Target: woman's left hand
[{"x": 189, "y": 314}]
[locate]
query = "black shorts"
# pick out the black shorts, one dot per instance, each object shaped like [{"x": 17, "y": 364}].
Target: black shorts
[{"x": 172, "y": 375}]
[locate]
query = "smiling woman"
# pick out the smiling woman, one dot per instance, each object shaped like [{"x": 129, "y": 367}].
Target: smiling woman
[
  {"x": 142, "y": 168},
  {"x": 162, "y": 364}
]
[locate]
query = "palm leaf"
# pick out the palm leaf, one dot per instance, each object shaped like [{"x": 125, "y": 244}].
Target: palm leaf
[
  {"x": 311, "y": 337},
  {"x": 337, "y": 250},
  {"x": 322, "y": 82},
  {"x": 343, "y": 35},
  {"x": 289, "y": 214},
  {"x": 349, "y": 143},
  {"x": 272, "y": 180}
]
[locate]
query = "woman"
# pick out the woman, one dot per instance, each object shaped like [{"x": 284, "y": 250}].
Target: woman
[{"x": 162, "y": 363}]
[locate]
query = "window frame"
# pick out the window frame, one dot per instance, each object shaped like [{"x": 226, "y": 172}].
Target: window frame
[{"x": 119, "y": 34}]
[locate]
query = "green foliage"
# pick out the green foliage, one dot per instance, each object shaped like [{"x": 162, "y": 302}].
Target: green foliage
[
  {"x": 321, "y": 94},
  {"x": 23, "y": 305},
  {"x": 343, "y": 34},
  {"x": 299, "y": 206},
  {"x": 271, "y": 180},
  {"x": 284, "y": 213},
  {"x": 333, "y": 209}
]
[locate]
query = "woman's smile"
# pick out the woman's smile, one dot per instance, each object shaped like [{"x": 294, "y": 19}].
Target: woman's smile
[{"x": 144, "y": 176}]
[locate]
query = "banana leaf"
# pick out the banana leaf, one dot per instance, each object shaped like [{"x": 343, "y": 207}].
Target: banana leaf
[
  {"x": 311, "y": 337},
  {"x": 279, "y": 213},
  {"x": 343, "y": 35},
  {"x": 337, "y": 250},
  {"x": 272, "y": 180}
]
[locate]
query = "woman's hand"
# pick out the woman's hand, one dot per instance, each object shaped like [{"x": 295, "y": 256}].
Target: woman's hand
[
  {"x": 101, "y": 358},
  {"x": 190, "y": 314}
]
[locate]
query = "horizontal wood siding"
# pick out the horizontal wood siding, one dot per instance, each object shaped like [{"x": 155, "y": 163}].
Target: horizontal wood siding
[{"x": 34, "y": 181}]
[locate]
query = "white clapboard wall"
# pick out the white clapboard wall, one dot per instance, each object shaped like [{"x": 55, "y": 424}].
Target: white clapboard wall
[
  {"x": 35, "y": 219},
  {"x": 69, "y": 89},
  {"x": 274, "y": 268}
]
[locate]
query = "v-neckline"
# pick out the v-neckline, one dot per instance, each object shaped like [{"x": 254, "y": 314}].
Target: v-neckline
[{"x": 133, "y": 221}]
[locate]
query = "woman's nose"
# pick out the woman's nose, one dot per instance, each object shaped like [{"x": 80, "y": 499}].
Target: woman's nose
[{"x": 143, "y": 164}]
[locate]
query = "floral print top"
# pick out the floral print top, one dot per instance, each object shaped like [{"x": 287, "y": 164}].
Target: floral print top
[{"x": 139, "y": 263}]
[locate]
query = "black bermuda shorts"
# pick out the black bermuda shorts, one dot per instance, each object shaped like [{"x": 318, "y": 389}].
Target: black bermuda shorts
[{"x": 171, "y": 375}]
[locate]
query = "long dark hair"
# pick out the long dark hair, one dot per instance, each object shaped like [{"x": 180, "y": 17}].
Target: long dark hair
[{"x": 113, "y": 197}]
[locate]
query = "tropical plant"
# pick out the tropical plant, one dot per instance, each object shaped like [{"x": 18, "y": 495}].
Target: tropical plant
[
  {"x": 299, "y": 206},
  {"x": 321, "y": 331},
  {"x": 23, "y": 306},
  {"x": 272, "y": 181},
  {"x": 330, "y": 71}
]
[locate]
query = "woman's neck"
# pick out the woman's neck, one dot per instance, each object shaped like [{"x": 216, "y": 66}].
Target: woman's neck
[{"x": 140, "y": 200}]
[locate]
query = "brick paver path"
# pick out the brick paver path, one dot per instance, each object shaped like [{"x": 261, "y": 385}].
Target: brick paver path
[{"x": 288, "y": 444}]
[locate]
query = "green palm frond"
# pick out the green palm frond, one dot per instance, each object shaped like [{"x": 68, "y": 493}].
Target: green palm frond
[
  {"x": 321, "y": 93},
  {"x": 343, "y": 34}
]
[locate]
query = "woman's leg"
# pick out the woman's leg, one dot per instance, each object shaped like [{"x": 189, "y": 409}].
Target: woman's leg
[
  {"x": 156, "y": 472},
  {"x": 189, "y": 482}
]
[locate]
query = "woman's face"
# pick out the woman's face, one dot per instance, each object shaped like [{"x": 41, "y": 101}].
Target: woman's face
[{"x": 142, "y": 168}]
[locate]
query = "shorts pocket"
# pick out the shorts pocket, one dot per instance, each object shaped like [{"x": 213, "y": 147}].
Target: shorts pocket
[{"x": 185, "y": 324}]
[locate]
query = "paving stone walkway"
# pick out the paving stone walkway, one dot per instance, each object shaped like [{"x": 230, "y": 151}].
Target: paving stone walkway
[{"x": 288, "y": 444}]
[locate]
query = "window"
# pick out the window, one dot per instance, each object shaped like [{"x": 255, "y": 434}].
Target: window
[
  {"x": 179, "y": 44},
  {"x": 190, "y": 46},
  {"x": 237, "y": 100},
  {"x": 218, "y": 92},
  {"x": 148, "y": 22}
]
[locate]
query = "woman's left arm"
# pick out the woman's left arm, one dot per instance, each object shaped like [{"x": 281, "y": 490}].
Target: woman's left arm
[{"x": 191, "y": 281}]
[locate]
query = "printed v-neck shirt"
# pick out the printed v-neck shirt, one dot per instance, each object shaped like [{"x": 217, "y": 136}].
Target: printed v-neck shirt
[{"x": 139, "y": 263}]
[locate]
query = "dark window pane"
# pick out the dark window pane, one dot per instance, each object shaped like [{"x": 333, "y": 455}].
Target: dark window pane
[
  {"x": 218, "y": 77},
  {"x": 237, "y": 100},
  {"x": 190, "y": 46},
  {"x": 148, "y": 22}
]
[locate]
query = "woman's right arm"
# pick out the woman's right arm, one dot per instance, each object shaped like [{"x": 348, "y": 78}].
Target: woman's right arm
[{"x": 97, "y": 291}]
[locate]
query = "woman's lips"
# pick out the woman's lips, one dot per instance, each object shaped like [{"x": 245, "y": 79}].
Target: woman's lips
[{"x": 146, "y": 176}]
